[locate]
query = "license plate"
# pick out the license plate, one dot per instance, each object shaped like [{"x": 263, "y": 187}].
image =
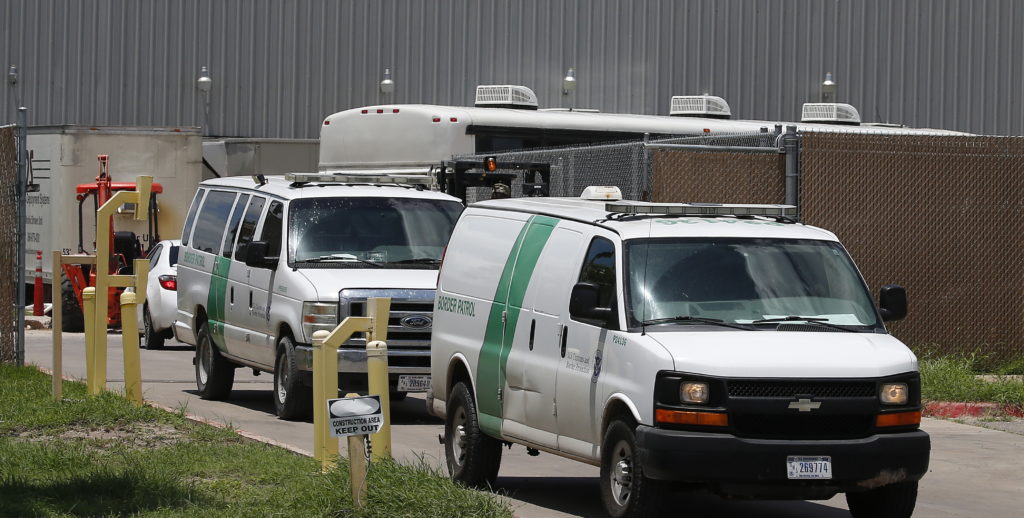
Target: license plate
[
  {"x": 411, "y": 383},
  {"x": 808, "y": 467}
]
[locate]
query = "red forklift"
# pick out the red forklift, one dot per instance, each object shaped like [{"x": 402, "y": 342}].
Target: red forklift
[{"x": 125, "y": 247}]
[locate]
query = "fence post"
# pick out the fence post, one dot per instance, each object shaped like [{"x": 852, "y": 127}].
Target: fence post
[
  {"x": 89, "y": 312},
  {"x": 791, "y": 146},
  {"x": 130, "y": 347},
  {"x": 21, "y": 193},
  {"x": 378, "y": 309},
  {"x": 55, "y": 325}
]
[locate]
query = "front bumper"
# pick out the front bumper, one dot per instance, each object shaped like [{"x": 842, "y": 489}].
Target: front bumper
[
  {"x": 756, "y": 468},
  {"x": 400, "y": 361}
]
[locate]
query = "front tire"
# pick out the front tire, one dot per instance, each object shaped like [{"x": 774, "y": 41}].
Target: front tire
[
  {"x": 625, "y": 491},
  {"x": 473, "y": 457},
  {"x": 214, "y": 374},
  {"x": 891, "y": 501},
  {"x": 150, "y": 337},
  {"x": 293, "y": 400}
]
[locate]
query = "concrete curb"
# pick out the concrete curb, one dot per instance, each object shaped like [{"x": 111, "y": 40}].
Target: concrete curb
[
  {"x": 953, "y": 410},
  {"x": 203, "y": 420}
]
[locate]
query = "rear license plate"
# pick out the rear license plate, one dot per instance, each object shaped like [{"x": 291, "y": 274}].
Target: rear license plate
[
  {"x": 413, "y": 383},
  {"x": 808, "y": 467}
]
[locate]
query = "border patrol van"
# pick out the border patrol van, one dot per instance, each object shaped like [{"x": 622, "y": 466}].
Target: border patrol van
[
  {"x": 674, "y": 345},
  {"x": 266, "y": 262}
]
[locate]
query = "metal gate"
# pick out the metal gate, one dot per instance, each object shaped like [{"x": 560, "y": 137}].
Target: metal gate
[{"x": 9, "y": 263}]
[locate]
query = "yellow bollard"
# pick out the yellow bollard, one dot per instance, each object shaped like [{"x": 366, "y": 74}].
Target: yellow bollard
[
  {"x": 88, "y": 312},
  {"x": 357, "y": 465},
  {"x": 325, "y": 448},
  {"x": 55, "y": 325},
  {"x": 130, "y": 347},
  {"x": 378, "y": 309}
]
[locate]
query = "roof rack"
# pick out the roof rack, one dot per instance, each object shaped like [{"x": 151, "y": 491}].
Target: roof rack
[
  {"x": 702, "y": 209},
  {"x": 359, "y": 178}
]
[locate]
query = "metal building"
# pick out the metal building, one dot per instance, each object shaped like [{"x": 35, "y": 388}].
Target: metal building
[{"x": 278, "y": 67}]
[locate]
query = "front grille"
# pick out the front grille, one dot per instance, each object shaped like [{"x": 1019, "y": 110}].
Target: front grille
[
  {"x": 404, "y": 304},
  {"x": 797, "y": 427},
  {"x": 790, "y": 389}
]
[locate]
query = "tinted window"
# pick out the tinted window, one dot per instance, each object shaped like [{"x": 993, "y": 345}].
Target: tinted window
[
  {"x": 272, "y": 229},
  {"x": 236, "y": 216},
  {"x": 249, "y": 221},
  {"x": 191, "y": 216},
  {"x": 599, "y": 268},
  {"x": 154, "y": 255},
  {"x": 172, "y": 258},
  {"x": 211, "y": 220}
]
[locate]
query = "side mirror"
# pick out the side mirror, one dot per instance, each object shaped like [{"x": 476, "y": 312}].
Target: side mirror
[
  {"x": 583, "y": 303},
  {"x": 255, "y": 255},
  {"x": 892, "y": 302}
]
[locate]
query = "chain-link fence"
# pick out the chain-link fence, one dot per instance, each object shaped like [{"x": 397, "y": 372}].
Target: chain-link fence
[
  {"x": 8, "y": 243},
  {"x": 940, "y": 215}
]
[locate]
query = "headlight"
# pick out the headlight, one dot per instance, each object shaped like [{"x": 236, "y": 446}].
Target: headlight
[
  {"x": 894, "y": 394},
  {"x": 318, "y": 316},
  {"x": 693, "y": 392}
]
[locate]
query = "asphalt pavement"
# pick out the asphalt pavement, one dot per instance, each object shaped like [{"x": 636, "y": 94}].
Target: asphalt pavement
[{"x": 974, "y": 471}]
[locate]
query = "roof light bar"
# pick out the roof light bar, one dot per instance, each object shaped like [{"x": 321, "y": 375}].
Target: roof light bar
[
  {"x": 702, "y": 209},
  {"x": 359, "y": 178}
]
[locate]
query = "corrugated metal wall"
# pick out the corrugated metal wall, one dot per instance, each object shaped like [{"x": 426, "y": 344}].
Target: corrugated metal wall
[{"x": 280, "y": 66}]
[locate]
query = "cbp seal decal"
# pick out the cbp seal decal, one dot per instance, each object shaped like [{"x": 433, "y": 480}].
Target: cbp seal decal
[{"x": 416, "y": 322}]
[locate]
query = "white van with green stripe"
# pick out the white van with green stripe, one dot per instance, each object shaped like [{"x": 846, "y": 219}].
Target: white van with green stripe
[
  {"x": 674, "y": 345},
  {"x": 266, "y": 263}
]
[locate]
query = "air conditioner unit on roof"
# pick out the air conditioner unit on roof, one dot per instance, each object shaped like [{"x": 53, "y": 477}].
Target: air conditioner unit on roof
[
  {"x": 506, "y": 96},
  {"x": 699, "y": 106},
  {"x": 831, "y": 113}
]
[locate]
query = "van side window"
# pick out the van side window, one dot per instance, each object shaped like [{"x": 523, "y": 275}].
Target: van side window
[
  {"x": 236, "y": 216},
  {"x": 272, "y": 229},
  {"x": 249, "y": 221},
  {"x": 211, "y": 220},
  {"x": 196, "y": 201},
  {"x": 599, "y": 268}
]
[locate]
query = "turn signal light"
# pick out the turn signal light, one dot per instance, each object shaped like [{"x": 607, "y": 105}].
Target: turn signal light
[
  {"x": 899, "y": 419},
  {"x": 699, "y": 418},
  {"x": 490, "y": 164}
]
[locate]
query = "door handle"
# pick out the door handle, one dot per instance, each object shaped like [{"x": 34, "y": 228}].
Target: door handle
[
  {"x": 565, "y": 336},
  {"x": 533, "y": 328},
  {"x": 232, "y": 295},
  {"x": 250, "y": 299}
]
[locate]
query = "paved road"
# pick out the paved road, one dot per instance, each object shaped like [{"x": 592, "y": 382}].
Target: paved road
[{"x": 974, "y": 471}]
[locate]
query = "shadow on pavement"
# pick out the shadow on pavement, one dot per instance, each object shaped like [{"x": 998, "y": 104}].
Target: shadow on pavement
[{"x": 581, "y": 496}]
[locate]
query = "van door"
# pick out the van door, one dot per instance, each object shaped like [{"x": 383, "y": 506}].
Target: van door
[
  {"x": 261, "y": 281},
  {"x": 534, "y": 359},
  {"x": 238, "y": 329},
  {"x": 581, "y": 347},
  {"x": 205, "y": 244}
]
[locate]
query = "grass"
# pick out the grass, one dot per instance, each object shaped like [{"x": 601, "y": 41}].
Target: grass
[
  {"x": 102, "y": 456},
  {"x": 954, "y": 378}
]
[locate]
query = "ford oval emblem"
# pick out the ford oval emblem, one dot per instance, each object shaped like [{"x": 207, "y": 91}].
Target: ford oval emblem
[{"x": 417, "y": 322}]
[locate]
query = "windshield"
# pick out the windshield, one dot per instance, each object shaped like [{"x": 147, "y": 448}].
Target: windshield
[
  {"x": 364, "y": 232},
  {"x": 744, "y": 281}
]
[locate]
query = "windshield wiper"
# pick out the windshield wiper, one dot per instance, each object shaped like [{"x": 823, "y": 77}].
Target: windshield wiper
[
  {"x": 418, "y": 260},
  {"x": 797, "y": 318},
  {"x": 688, "y": 318},
  {"x": 340, "y": 258}
]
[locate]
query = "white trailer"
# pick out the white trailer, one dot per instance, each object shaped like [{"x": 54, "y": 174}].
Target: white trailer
[{"x": 65, "y": 156}]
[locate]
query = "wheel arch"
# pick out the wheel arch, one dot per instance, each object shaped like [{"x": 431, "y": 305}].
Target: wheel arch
[{"x": 617, "y": 406}]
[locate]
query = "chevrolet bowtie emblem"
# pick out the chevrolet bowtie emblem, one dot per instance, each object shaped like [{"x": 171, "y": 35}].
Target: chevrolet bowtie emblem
[{"x": 805, "y": 405}]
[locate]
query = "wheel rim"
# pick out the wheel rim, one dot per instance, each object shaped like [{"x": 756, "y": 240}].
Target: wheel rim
[
  {"x": 205, "y": 359},
  {"x": 282, "y": 379},
  {"x": 458, "y": 432},
  {"x": 620, "y": 476}
]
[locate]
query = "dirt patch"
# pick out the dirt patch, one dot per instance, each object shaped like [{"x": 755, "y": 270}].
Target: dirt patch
[{"x": 135, "y": 436}]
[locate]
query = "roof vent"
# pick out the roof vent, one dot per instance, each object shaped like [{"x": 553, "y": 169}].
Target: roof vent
[
  {"x": 505, "y": 96},
  {"x": 830, "y": 113},
  {"x": 699, "y": 106},
  {"x": 602, "y": 192}
]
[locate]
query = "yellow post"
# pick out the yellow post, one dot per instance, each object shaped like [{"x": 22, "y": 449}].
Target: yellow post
[
  {"x": 88, "y": 312},
  {"x": 140, "y": 197},
  {"x": 130, "y": 347},
  {"x": 55, "y": 325},
  {"x": 357, "y": 466},
  {"x": 319, "y": 401},
  {"x": 378, "y": 309}
]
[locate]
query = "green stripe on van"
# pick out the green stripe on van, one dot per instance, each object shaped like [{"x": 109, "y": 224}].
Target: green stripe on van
[
  {"x": 508, "y": 298},
  {"x": 216, "y": 300}
]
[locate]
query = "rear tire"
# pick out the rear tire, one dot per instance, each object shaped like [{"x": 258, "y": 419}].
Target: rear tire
[
  {"x": 891, "y": 501},
  {"x": 72, "y": 320},
  {"x": 293, "y": 400},
  {"x": 473, "y": 457},
  {"x": 625, "y": 491},
  {"x": 150, "y": 337},
  {"x": 214, "y": 374}
]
